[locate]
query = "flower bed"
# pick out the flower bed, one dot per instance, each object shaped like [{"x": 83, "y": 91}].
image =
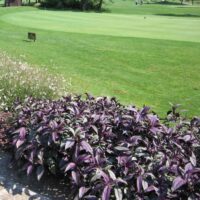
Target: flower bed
[{"x": 107, "y": 150}]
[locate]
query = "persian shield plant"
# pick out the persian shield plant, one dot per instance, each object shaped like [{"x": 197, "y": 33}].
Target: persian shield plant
[{"x": 107, "y": 150}]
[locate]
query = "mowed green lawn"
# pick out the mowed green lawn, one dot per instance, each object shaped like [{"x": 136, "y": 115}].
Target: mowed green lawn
[
  {"x": 148, "y": 26},
  {"x": 146, "y": 54}
]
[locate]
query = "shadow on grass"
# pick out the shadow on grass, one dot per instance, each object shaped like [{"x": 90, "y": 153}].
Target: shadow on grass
[
  {"x": 167, "y": 3},
  {"x": 26, "y": 40},
  {"x": 178, "y": 15},
  {"x": 103, "y": 10}
]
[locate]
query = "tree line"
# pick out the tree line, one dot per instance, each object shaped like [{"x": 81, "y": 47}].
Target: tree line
[{"x": 74, "y": 4}]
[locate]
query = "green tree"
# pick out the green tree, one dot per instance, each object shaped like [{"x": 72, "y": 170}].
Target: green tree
[{"x": 76, "y": 4}]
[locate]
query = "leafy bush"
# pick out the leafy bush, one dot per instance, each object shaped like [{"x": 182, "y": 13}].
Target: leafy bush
[
  {"x": 4, "y": 125},
  {"x": 77, "y": 4},
  {"x": 18, "y": 81},
  {"x": 106, "y": 150}
]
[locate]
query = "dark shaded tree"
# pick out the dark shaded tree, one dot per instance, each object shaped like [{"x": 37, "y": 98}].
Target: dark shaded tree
[{"x": 74, "y": 4}]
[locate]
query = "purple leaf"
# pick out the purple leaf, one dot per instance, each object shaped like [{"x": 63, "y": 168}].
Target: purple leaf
[
  {"x": 31, "y": 156},
  {"x": 120, "y": 180},
  {"x": 19, "y": 143},
  {"x": 153, "y": 119},
  {"x": 177, "y": 183},
  {"x": 86, "y": 146},
  {"x": 40, "y": 172},
  {"x": 151, "y": 188},
  {"x": 91, "y": 197},
  {"x": 29, "y": 169},
  {"x": 70, "y": 166},
  {"x": 54, "y": 136},
  {"x": 188, "y": 167},
  {"x": 193, "y": 159},
  {"x": 40, "y": 156},
  {"x": 139, "y": 184},
  {"x": 195, "y": 170},
  {"x": 118, "y": 194},
  {"x": 82, "y": 191},
  {"x": 154, "y": 130},
  {"x": 53, "y": 124},
  {"x": 105, "y": 176},
  {"x": 186, "y": 138},
  {"x": 144, "y": 111},
  {"x": 144, "y": 184},
  {"x": 75, "y": 177},
  {"x": 120, "y": 148},
  {"x": 94, "y": 128},
  {"x": 84, "y": 158},
  {"x": 135, "y": 139},
  {"x": 174, "y": 169},
  {"x": 22, "y": 133},
  {"x": 112, "y": 175},
  {"x": 69, "y": 143},
  {"x": 106, "y": 193}
]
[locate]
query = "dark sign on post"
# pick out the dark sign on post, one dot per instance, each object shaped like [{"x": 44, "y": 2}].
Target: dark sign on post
[{"x": 32, "y": 36}]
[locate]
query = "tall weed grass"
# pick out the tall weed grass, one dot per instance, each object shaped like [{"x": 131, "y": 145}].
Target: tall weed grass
[{"x": 18, "y": 80}]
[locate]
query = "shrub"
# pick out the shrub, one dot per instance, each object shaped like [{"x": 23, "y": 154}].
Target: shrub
[
  {"x": 18, "y": 81},
  {"x": 74, "y": 4},
  {"x": 4, "y": 125},
  {"x": 107, "y": 150}
]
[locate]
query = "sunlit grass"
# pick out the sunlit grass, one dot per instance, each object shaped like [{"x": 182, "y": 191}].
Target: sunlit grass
[{"x": 148, "y": 66}]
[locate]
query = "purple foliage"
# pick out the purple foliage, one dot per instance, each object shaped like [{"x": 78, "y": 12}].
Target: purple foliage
[{"x": 107, "y": 150}]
